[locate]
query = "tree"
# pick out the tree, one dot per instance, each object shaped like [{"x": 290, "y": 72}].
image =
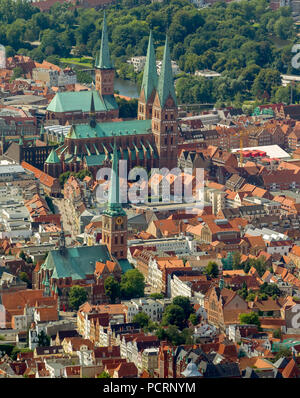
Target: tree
[
  {"x": 266, "y": 81},
  {"x": 132, "y": 284},
  {"x": 156, "y": 296},
  {"x": 63, "y": 178},
  {"x": 17, "y": 72},
  {"x": 243, "y": 292},
  {"x": 127, "y": 109},
  {"x": 174, "y": 315},
  {"x": 236, "y": 260},
  {"x": 270, "y": 289},
  {"x": 112, "y": 289},
  {"x": 174, "y": 336},
  {"x": 77, "y": 296},
  {"x": 250, "y": 297},
  {"x": 185, "y": 304},
  {"x": 16, "y": 350},
  {"x": 277, "y": 334},
  {"x": 22, "y": 255},
  {"x": 50, "y": 203},
  {"x": 25, "y": 278},
  {"x": 43, "y": 339},
  {"x": 104, "y": 375},
  {"x": 283, "y": 353},
  {"x": 142, "y": 319},
  {"x": 84, "y": 77},
  {"x": 212, "y": 269},
  {"x": 249, "y": 319},
  {"x": 194, "y": 319}
]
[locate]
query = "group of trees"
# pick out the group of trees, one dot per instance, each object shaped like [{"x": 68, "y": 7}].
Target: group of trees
[
  {"x": 174, "y": 326},
  {"x": 80, "y": 175},
  {"x": 259, "y": 264},
  {"x": 247, "y": 42},
  {"x": 132, "y": 285},
  {"x": 127, "y": 109},
  {"x": 175, "y": 322},
  {"x": 265, "y": 291}
]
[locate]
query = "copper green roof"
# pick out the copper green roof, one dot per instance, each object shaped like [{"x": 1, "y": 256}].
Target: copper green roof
[
  {"x": 70, "y": 101},
  {"x": 103, "y": 60},
  {"x": 95, "y": 160},
  {"x": 165, "y": 86},
  {"x": 108, "y": 129},
  {"x": 75, "y": 262},
  {"x": 150, "y": 78},
  {"x": 125, "y": 265},
  {"x": 52, "y": 158}
]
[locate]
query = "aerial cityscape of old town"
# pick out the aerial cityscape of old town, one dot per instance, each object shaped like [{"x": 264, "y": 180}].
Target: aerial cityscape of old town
[{"x": 149, "y": 190}]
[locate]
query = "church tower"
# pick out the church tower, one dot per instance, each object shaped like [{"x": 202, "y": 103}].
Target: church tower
[
  {"x": 164, "y": 114},
  {"x": 149, "y": 84},
  {"x": 52, "y": 165},
  {"x": 114, "y": 220},
  {"x": 104, "y": 72}
]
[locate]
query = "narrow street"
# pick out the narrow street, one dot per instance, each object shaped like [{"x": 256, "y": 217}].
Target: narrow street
[{"x": 63, "y": 207}]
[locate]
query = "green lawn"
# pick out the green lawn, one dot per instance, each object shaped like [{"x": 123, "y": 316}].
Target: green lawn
[{"x": 78, "y": 61}]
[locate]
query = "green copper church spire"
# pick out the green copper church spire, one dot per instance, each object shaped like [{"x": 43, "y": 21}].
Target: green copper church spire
[
  {"x": 114, "y": 207},
  {"x": 165, "y": 82},
  {"x": 150, "y": 78},
  {"x": 103, "y": 60},
  {"x": 52, "y": 157}
]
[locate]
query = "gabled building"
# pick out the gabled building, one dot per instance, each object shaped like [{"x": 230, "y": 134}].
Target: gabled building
[{"x": 223, "y": 307}]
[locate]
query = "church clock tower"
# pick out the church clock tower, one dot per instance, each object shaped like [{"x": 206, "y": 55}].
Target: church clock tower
[{"x": 114, "y": 220}]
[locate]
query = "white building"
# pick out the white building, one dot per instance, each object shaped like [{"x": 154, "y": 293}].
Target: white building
[
  {"x": 14, "y": 218},
  {"x": 208, "y": 74},
  {"x": 180, "y": 288},
  {"x": 155, "y": 275},
  {"x": 181, "y": 245},
  {"x": 153, "y": 308},
  {"x": 137, "y": 62},
  {"x": 175, "y": 67},
  {"x": 54, "y": 77},
  {"x": 55, "y": 369},
  {"x": 276, "y": 242},
  {"x": 287, "y": 79}
]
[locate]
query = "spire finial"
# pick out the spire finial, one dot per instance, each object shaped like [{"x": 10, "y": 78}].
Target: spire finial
[
  {"x": 92, "y": 112},
  {"x": 150, "y": 77},
  {"x": 165, "y": 86},
  {"x": 103, "y": 60}
]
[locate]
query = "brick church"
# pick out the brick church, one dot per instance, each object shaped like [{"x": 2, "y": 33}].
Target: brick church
[
  {"x": 149, "y": 141},
  {"x": 89, "y": 266}
]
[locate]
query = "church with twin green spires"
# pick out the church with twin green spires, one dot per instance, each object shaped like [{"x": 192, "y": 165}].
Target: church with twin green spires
[{"x": 149, "y": 141}]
